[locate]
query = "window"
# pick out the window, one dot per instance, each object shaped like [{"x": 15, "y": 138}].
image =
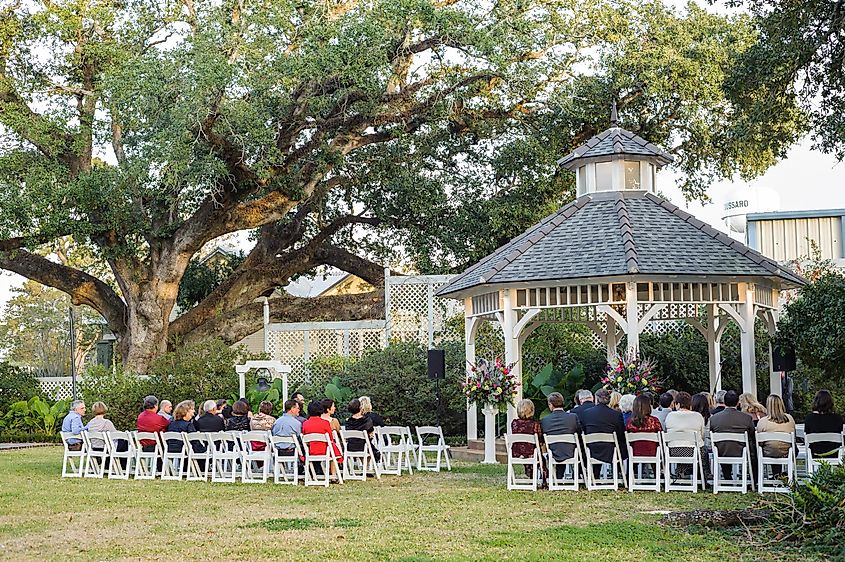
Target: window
[
  {"x": 647, "y": 176},
  {"x": 582, "y": 180},
  {"x": 632, "y": 175},
  {"x": 604, "y": 176}
]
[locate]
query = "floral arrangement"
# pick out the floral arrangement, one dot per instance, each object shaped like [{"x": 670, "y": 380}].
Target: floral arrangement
[
  {"x": 632, "y": 375},
  {"x": 491, "y": 384}
]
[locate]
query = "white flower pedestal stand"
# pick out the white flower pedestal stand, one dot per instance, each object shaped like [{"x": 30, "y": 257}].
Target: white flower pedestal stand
[{"x": 489, "y": 412}]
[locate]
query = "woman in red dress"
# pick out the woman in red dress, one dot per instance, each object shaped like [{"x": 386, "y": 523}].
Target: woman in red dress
[
  {"x": 525, "y": 424},
  {"x": 643, "y": 422}
]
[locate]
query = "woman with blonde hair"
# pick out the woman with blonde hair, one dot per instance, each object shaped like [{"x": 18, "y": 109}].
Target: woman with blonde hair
[
  {"x": 367, "y": 411},
  {"x": 99, "y": 423},
  {"x": 615, "y": 397},
  {"x": 776, "y": 420},
  {"x": 748, "y": 404},
  {"x": 711, "y": 401}
]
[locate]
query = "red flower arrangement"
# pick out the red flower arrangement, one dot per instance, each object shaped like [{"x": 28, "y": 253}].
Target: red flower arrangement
[{"x": 491, "y": 384}]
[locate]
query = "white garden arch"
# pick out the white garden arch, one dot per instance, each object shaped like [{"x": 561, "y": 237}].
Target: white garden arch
[{"x": 277, "y": 369}]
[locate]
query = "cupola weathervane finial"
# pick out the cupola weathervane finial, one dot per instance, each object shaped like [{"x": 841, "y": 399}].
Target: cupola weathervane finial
[{"x": 614, "y": 119}]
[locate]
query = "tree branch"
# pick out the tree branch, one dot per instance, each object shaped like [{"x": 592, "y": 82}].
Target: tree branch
[{"x": 82, "y": 287}]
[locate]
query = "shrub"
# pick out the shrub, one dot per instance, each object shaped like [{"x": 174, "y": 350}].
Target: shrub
[
  {"x": 396, "y": 379},
  {"x": 19, "y": 436},
  {"x": 121, "y": 391},
  {"x": 35, "y": 415},
  {"x": 16, "y": 384},
  {"x": 811, "y": 514}
]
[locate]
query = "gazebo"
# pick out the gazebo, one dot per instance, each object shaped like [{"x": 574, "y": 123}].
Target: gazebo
[{"x": 617, "y": 258}]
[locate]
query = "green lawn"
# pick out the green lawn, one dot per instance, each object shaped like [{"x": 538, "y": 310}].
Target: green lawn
[{"x": 465, "y": 514}]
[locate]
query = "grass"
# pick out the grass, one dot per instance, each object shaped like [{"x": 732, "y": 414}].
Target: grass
[{"x": 463, "y": 515}]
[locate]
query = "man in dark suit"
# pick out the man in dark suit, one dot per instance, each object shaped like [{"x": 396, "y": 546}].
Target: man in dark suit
[
  {"x": 584, "y": 401},
  {"x": 719, "y": 398},
  {"x": 603, "y": 419},
  {"x": 731, "y": 420},
  {"x": 560, "y": 422}
]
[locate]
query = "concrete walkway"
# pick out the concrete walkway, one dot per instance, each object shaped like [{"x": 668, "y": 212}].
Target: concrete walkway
[{"x": 11, "y": 446}]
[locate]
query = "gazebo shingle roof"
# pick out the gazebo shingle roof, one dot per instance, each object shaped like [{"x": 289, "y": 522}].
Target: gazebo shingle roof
[
  {"x": 609, "y": 234},
  {"x": 615, "y": 140}
]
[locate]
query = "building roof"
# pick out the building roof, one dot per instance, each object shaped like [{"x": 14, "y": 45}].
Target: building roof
[
  {"x": 785, "y": 215},
  {"x": 615, "y": 140},
  {"x": 611, "y": 234}
]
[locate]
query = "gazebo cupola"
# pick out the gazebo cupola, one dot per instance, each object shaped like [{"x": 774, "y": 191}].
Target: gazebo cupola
[{"x": 615, "y": 160}]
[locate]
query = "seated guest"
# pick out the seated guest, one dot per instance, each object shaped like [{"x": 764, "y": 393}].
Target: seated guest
[
  {"x": 525, "y": 424},
  {"x": 684, "y": 419},
  {"x": 731, "y": 420},
  {"x": 239, "y": 421},
  {"x": 776, "y": 420},
  {"x": 99, "y": 423},
  {"x": 330, "y": 409},
  {"x": 748, "y": 403},
  {"x": 560, "y": 422},
  {"x": 601, "y": 418},
  {"x": 150, "y": 421},
  {"x": 298, "y": 396},
  {"x": 316, "y": 423},
  {"x": 584, "y": 399},
  {"x": 165, "y": 410},
  {"x": 209, "y": 421},
  {"x": 183, "y": 417},
  {"x": 288, "y": 425},
  {"x": 615, "y": 397},
  {"x": 664, "y": 407},
  {"x": 823, "y": 419},
  {"x": 643, "y": 422},
  {"x": 626, "y": 403},
  {"x": 357, "y": 422},
  {"x": 262, "y": 421},
  {"x": 711, "y": 402},
  {"x": 699, "y": 404},
  {"x": 719, "y": 399},
  {"x": 367, "y": 411},
  {"x": 73, "y": 424}
]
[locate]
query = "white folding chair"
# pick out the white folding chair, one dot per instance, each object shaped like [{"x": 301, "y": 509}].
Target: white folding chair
[
  {"x": 73, "y": 464},
  {"x": 285, "y": 461},
  {"x": 518, "y": 481},
  {"x": 95, "y": 459},
  {"x": 616, "y": 468},
  {"x": 774, "y": 484},
  {"x": 327, "y": 460},
  {"x": 413, "y": 448},
  {"x": 743, "y": 461},
  {"x": 352, "y": 460},
  {"x": 146, "y": 462},
  {"x": 120, "y": 462},
  {"x": 832, "y": 458},
  {"x": 173, "y": 463},
  {"x": 682, "y": 441},
  {"x": 225, "y": 454},
  {"x": 255, "y": 463},
  {"x": 439, "y": 448},
  {"x": 198, "y": 461},
  {"x": 644, "y": 461},
  {"x": 573, "y": 463},
  {"x": 395, "y": 454}
]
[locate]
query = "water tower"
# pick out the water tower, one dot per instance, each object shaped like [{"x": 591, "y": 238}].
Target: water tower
[{"x": 746, "y": 200}]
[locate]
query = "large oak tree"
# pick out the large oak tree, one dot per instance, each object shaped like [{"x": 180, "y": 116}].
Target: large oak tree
[{"x": 347, "y": 133}]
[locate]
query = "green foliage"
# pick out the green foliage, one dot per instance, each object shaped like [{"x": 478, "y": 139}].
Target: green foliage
[
  {"x": 203, "y": 277},
  {"x": 19, "y": 436},
  {"x": 813, "y": 325},
  {"x": 397, "y": 381},
  {"x": 122, "y": 392},
  {"x": 255, "y": 397},
  {"x": 16, "y": 384},
  {"x": 538, "y": 387},
  {"x": 35, "y": 415},
  {"x": 812, "y": 514},
  {"x": 338, "y": 392}
]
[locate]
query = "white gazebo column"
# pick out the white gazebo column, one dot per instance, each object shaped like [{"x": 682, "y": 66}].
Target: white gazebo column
[
  {"x": 512, "y": 349},
  {"x": 633, "y": 318},
  {"x": 749, "y": 361},
  {"x": 714, "y": 347},
  {"x": 470, "y": 329},
  {"x": 775, "y": 386},
  {"x": 610, "y": 338}
]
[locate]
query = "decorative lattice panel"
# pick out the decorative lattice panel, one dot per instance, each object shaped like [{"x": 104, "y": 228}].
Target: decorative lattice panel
[
  {"x": 414, "y": 312},
  {"x": 57, "y": 388}
]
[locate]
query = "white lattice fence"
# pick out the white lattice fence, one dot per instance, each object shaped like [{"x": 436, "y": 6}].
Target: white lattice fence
[
  {"x": 414, "y": 313},
  {"x": 299, "y": 344},
  {"x": 57, "y": 388}
]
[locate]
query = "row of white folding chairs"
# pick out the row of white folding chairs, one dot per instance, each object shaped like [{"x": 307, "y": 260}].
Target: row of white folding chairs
[
  {"x": 217, "y": 455},
  {"x": 671, "y": 449}
]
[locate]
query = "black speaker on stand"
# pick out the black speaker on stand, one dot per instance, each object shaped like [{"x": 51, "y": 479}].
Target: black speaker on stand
[
  {"x": 783, "y": 359},
  {"x": 437, "y": 371}
]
